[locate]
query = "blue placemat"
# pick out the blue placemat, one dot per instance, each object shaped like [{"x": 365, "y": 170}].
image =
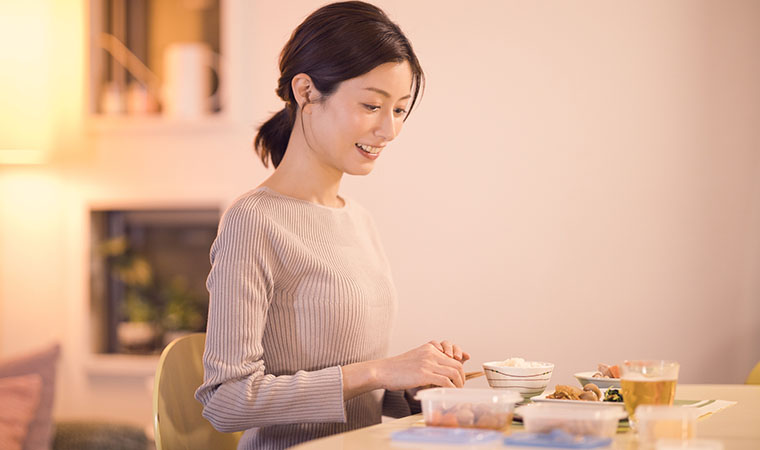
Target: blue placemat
[
  {"x": 440, "y": 435},
  {"x": 556, "y": 439}
]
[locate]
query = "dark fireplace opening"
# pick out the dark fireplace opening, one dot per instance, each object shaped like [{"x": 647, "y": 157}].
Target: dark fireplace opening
[{"x": 148, "y": 274}]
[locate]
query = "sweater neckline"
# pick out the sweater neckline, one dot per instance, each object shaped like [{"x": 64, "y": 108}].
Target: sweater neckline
[{"x": 271, "y": 191}]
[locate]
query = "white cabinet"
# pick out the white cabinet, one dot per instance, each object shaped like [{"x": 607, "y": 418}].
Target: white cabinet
[{"x": 167, "y": 65}]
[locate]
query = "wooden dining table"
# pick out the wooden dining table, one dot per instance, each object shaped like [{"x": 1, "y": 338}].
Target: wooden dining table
[{"x": 737, "y": 427}]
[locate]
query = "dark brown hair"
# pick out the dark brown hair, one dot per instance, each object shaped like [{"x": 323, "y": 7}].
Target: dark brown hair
[{"x": 335, "y": 43}]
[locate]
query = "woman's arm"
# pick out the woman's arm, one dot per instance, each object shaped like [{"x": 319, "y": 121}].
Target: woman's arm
[
  {"x": 435, "y": 363},
  {"x": 237, "y": 394}
]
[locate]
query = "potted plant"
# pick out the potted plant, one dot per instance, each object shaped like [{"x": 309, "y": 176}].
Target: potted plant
[{"x": 155, "y": 310}]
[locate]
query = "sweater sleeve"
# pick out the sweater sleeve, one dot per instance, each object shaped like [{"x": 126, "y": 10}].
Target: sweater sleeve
[
  {"x": 398, "y": 404},
  {"x": 236, "y": 393}
]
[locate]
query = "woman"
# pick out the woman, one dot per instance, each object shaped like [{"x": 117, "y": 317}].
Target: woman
[{"x": 301, "y": 296}]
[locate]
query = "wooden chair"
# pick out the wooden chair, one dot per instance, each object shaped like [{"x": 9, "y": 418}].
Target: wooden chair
[
  {"x": 754, "y": 376},
  {"x": 177, "y": 418}
]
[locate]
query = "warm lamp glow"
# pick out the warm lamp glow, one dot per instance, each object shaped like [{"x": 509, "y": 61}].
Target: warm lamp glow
[
  {"x": 25, "y": 107},
  {"x": 21, "y": 156}
]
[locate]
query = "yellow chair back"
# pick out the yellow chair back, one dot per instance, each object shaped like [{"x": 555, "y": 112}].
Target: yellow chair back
[
  {"x": 177, "y": 418},
  {"x": 754, "y": 376}
]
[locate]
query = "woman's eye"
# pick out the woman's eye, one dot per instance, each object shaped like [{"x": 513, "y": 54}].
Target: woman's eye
[
  {"x": 400, "y": 111},
  {"x": 371, "y": 107}
]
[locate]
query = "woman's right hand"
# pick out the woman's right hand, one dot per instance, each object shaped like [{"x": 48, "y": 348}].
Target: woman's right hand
[{"x": 436, "y": 363}]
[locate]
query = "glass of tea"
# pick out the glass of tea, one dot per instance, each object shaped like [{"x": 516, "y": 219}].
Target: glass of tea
[{"x": 647, "y": 382}]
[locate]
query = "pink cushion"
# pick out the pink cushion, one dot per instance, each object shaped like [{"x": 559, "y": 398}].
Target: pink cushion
[
  {"x": 20, "y": 398},
  {"x": 42, "y": 363}
]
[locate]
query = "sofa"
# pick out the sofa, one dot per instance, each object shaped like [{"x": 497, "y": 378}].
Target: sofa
[{"x": 27, "y": 391}]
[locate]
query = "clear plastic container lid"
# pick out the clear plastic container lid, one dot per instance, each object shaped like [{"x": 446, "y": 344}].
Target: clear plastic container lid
[{"x": 468, "y": 395}]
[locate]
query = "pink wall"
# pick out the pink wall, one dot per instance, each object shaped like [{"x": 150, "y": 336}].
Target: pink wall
[{"x": 580, "y": 184}]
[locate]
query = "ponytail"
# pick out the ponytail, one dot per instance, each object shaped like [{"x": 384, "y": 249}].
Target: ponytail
[{"x": 272, "y": 138}]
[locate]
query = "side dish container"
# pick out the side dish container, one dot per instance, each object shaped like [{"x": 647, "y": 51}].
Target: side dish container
[
  {"x": 468, "y": 407},
  {"x": 669, "y": 422},
  {"x": 572, "y": 419}
]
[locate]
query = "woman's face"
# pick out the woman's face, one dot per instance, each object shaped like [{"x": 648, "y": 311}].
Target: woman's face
[{"x": 351, "y": 128}]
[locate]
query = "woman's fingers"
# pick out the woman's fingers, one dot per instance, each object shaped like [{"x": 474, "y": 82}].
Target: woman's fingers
[
  {"x": 456, "y": 375},
  {"x": 443, "y": 381},
  {"x": 451, "y": 350},
  {"x": 457, "y": 352},
  {"x": 448, "y": 349},
  {"x": 451, "y": 368},
  {"x": 449, "y": 363},
  {"x": 437, "y": 345}
]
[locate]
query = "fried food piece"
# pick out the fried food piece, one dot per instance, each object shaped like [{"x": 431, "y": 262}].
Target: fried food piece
[
  {"x": 589, "y": 396},
  {"x": 593, "y": 388},
  {"x": 470, "y": 416},
  {"x": 440, "y": 419},
  {"x": 465, "y": 417},
  {"x": 564, "y": 392},
  {"x": 488, "y": 420},
  {"x": 590, "y": 393}
]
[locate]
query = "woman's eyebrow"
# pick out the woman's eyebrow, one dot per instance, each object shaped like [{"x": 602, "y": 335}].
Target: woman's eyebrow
[{"x": 383, "y": 93}]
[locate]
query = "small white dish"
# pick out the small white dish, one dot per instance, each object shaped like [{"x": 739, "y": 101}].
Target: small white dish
[
  {"x": 527, "y": 381},
  {"x": 588, "y": 377},
  {"x": 542, "y": 398}
]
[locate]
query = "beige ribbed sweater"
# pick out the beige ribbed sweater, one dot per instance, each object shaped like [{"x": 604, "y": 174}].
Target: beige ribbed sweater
[{"x": 296, "y": 290}]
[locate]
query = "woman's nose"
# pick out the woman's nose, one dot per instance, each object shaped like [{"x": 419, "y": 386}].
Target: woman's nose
[{"x": 387, "y": 127}]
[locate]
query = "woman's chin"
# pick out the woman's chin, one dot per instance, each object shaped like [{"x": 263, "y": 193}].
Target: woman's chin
[{"x": 363, "y": 169}]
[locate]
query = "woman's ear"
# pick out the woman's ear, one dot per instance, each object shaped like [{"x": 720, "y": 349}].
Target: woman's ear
[{"x": 303, "y": 90}]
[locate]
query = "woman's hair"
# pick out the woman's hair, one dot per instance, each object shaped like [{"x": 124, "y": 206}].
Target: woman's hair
[{"x": 335, "y": 43}]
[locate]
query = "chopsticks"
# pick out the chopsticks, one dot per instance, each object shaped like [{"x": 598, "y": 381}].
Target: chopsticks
[
  {"x": 471, "y": 375},
  {"x": 467, "y": 376}
]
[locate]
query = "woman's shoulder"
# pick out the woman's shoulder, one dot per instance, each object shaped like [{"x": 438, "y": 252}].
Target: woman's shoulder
[
  {"x": 249, "y": 202},
  {"x": 248, "y": 208}
]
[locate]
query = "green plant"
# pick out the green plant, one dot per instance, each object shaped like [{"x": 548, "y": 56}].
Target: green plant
[
  {"x": 184, "y": 309},
  {"x": 169, "y": 304}
]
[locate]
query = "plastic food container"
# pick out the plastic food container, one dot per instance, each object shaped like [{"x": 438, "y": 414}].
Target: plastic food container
[
  {"x": 666, "y": 422},
  {"x": 572, "y": 419},
  {"x": 468, "y": 408}
]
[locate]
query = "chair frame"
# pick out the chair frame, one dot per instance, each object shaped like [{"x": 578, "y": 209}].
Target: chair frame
[{"x": 156, "y": 385}]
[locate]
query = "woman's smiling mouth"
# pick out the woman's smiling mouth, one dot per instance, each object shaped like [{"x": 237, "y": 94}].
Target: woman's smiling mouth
[{"x": 369, "y": 149}]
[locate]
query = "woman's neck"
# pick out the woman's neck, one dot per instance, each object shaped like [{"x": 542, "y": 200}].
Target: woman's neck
[{"x": 301, "y": 175}]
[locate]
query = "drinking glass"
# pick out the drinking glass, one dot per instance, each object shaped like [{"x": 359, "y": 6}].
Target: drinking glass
[{"x": 647, "y": 382}]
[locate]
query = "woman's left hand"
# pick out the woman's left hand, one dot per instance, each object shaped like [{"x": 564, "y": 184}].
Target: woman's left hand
[{"x": 451, "y": 350}]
